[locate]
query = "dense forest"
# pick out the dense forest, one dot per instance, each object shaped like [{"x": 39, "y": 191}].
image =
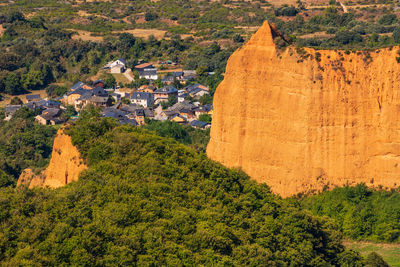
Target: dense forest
[
  {"x": 23, "y": 144},
  {"x": 148, "y": 200},
  {"x": 362, "y": 213}
]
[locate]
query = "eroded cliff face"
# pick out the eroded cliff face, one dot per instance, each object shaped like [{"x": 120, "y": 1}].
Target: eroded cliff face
[
  {"x": 65, "y": 165},
  {"x": 303, "y": 120}
]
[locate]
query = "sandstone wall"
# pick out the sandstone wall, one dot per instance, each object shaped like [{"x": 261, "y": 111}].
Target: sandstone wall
[
  {"x": 65, "y": 165},
  {"x": 302, "y": 120}
]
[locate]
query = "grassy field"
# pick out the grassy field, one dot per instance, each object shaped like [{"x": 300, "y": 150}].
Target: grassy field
[
  {"x": 119, "y": 77},
  {"x": 389, "y": 252},
  {"x": 145, "y": 33},
  {"x": 86, "y": 36}
]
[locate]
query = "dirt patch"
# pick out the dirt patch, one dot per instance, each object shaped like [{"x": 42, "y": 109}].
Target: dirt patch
[
  {"x": 317, "y": 35},
  {"x": 145, "y": 33},
  {"x": 140, "y": 20},
  {"x": 90, "y": 1},
  {"x": 170, "y": 22},
  {"x": 2, "y": 30},
  {"x": 282, "y": 2},
  {"x": 84, "y": 14},
  {"x": 85, "y": 36},
  {"x": 248, "y": 28}
]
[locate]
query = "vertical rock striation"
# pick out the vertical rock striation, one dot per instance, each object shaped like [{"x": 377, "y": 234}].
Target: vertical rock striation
[
  {"x": 303, "y": 119},
  {"x": 65, "y": 165}
]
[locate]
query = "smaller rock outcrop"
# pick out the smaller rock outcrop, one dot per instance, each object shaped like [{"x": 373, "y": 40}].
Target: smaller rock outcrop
[{"x": 65, "y": 165}]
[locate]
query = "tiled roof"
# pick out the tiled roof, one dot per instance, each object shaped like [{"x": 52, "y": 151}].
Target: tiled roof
[
  {"x": 167, "y": 89},
  {"x": 143, "y": 65},
  {"x": 31, "y": 97},
  {"x": 77, "y": 85}
]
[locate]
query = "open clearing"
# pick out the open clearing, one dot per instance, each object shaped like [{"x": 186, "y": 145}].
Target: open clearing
[
  {"x": 317, "y": 35},
  {"x": 140, "y": 33},
  {"x": 7, "y": 98},
  {"x": 389, "y": 252},
  {"x": 145, "y": 33},
  {"x": 86, "y": 36},
  {"x": 120, "y": 78}
]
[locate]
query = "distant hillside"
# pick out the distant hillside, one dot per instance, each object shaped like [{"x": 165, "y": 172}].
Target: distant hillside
[{"x": 147, "y": 200}]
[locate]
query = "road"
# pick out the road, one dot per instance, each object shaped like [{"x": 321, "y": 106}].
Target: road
[{"x": 128, "y": 75}]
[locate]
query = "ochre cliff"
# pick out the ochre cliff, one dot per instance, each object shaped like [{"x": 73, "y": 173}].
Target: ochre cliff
[
  {"x": 300, "y": 120},
  {"x": 65, "y": 165}
]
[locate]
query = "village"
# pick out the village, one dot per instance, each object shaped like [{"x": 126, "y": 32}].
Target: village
[{"x": 135, "y": 106}]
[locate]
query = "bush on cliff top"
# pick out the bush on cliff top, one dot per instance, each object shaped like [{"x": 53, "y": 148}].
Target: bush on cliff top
[{"x": 148, "y": 200}]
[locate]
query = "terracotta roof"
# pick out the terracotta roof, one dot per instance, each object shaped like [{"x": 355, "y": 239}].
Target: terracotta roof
[{"x": 143, "y": 65}]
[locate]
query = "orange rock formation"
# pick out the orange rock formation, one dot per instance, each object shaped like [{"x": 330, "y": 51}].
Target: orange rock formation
[
  {"x": 303, "y": 119},
  {"x": 65, "y": 165}
]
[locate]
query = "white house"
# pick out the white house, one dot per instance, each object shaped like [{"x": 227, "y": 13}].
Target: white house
[
  {"x": 117, "y": 69},
  {"x": 149, "y": 74},
  {"x": 147, "y": 71},
  {"x": 119, "y": 61},
  {"x": 142, "y": 98},
  {"x": 117, "y": 66}
]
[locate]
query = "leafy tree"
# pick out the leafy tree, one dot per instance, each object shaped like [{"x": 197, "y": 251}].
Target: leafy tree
[
  {"x": 202, "y": 71},
  {"x": 24, "y": 143},
  {"x": 374, "y": 260},
  {"x": 126, "y": 41},
  {"x": 149, "y": 16},
  {"x": 33, "y": 80},
  {"x": 15, "y": 16},
  {"x": 362, "y": 213},
  {"x": 286, "y": 10},
  {"x": 56, "y": 90},
  {"x": 237, "y": 38},
  {"x": 85, "y": 69},
  {"x": 12, "y": 84},
  {"x": 69, "y": 112},
  {"x": 16, "y": 101},
  {"x": 347, "y": 37},
  {"x": 172, "y": 100},
  {"x": 387, "y": 19},
  {"x": 108, "y": 79},
  {"x": 206, "y": 99},
  {"x": 205, "y": 118},
  {"x": 396, "y": 35},
  {"x": 5, "y": 179}
]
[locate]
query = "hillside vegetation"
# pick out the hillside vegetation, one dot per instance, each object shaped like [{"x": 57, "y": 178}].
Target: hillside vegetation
[
  {"x": 362, "y": 213},
  {"x": 148, "y": 200},
  {"x": 23, "y": 144}
]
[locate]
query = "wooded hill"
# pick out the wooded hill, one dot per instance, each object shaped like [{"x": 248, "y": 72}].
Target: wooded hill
[{"x": 148, "y": 200}]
